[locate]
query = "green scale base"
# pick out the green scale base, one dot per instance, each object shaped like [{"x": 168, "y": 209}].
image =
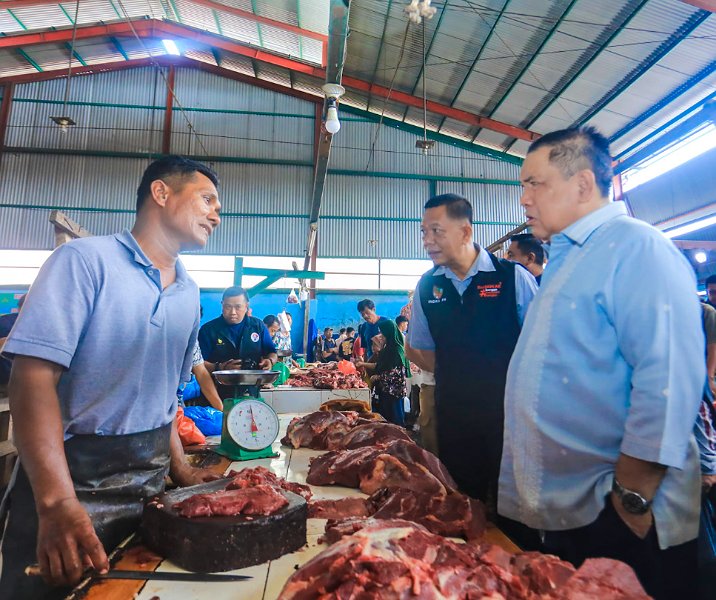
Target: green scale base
[{"x": 228, "y": 447}]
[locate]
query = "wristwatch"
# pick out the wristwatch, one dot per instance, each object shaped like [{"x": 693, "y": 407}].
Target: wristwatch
[{"x": 633, "y": 502}]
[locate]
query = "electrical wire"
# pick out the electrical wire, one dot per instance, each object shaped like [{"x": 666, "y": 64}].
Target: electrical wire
[
  {"x": 175, "y": 99},
  {"x": 72, "y": 55}
]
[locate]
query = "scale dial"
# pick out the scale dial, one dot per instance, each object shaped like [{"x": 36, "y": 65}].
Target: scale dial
[{"x": 252, "y": 424}]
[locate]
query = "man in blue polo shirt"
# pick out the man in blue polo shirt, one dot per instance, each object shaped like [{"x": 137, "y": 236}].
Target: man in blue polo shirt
[{"x": 105, "y": 335}]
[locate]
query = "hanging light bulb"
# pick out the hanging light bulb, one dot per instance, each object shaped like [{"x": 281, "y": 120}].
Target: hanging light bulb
[{"x": 333, "y": 125}]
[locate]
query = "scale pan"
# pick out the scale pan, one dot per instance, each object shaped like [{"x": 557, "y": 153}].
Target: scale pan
[{"x": 239, "y": 377}]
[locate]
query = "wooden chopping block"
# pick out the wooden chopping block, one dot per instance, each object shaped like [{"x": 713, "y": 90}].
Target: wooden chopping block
[{"x": 215, "y": 544}]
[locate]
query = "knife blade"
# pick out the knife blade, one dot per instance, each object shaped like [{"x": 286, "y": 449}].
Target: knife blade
[{"x": 155, "y": 575}]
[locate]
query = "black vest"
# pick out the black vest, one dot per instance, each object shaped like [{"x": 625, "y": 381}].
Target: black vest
[
  {"x": 248, "y": 347},
  {"x": 474, "y": 337}
]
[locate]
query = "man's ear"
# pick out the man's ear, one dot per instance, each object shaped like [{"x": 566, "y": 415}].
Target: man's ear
[
  {"x": 159, "y": 192},
  {"x": 467, "y": 232},
  {"x": 531, "y": 258},
  {"x": 586, "y": 183}
]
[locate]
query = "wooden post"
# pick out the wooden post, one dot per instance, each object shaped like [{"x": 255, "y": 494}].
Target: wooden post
[{"x": 65, "y": 228}]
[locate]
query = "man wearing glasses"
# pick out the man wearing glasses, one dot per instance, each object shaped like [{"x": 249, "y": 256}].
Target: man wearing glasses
[{"x": 236, "y": 340}]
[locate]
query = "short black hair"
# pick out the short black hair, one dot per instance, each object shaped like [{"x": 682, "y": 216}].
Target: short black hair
[
  {"x": 270, "y": 320},
  {"x": 366, "y": 303},
  {"x": 401, "y": 319},
  {"x": 350, "y": 330},
  {"x": 579, "y": 148},
  {"x": 710, "y": 280},
  {"x": 458, "y": 207},
  {"x": 176, "y": 167},
  {"x": 342, "y": 330},
  {"x": 529, "y": 243},
  {"x": 325, "y": 329},
  {"x": 234, "y": 290}
]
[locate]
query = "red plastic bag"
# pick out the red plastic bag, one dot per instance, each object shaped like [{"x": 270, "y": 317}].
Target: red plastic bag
[
  {"x": 189, "y": 433},
  {"x": 346, "y": 367}
]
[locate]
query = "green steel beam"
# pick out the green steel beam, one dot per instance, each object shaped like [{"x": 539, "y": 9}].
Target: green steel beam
[
  {"x": 529, "y": 63},
  {"x": 19, "y": 22},
  {"x": 217, "y": 21},
  {"x": 238, "y": 270},
  {"x": 258, "y": 25},
  {"x": 115, "y": 9},
  {"x": 567, "y": 81},
  {"x": 75, "y": 54},
  {"x": 118, "y": 46},
  {"x": 69, "y": 18},
  {"x": 217, "y": 56},
  {"x": 660, "y": 52},
  {"x": 380, "y": 46},
  {"x": 29, "y": 59},
  {"x": 477, "y": 59},
  {"x": 280, "y": 273},
  {"x": 246, "y": 270},
  {"x": 176, "y": 10},
  {"x": 424, "y": 177},
  {"x": 432, "y": 135}
]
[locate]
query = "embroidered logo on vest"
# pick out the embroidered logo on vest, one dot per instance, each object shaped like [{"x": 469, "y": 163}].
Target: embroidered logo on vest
[
  {"x": 219, "y": 342},
  {"x": 490, "y": 290},
  {"x": 437, "y": 295},
  {"x": 254, "y": 337}
]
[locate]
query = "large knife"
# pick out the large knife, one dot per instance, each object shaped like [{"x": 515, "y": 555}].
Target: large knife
[{"x": 154, "y": 575}]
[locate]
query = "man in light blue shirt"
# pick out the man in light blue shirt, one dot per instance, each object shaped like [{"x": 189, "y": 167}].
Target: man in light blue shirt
[
  {"x": 104, "y": 338},
  {"x": 604, "y": 385}
]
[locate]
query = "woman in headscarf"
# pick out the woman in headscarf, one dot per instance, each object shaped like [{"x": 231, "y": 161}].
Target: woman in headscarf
[{"x": 390, "y": 369}]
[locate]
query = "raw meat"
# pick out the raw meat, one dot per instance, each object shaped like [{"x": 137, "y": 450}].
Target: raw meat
[
  {"x": 327, "y": 377},
  {"x": 311, "y": 430},
  {"x": 370, "y": 434},
  {"x": 364, "y": 467},
  {"x": 250, "y": 477},
  {"x": 452, "y": 515},
  {"x": 257, "y": 500},
  {"x": 359, "y": 406},
  {"x": 372, "y": 559}
]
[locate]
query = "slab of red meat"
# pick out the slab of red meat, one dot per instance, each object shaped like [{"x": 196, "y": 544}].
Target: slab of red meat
[
  {"x": 604, "y": 579},
  {"x": 368, "y": 434},
  {"x": 387, "y": 471},
  {"x": 327, "y": 377},
  {"x": 390, "y": 563},
  {"x": 258, "y": 500},
  {"x": 338, "y": 509},
  {"x": 543, "y": 572},
  {"x": 451, "y": 515},
  {"x": 350, "y": 467},
  {"x": 370, "y": 559},
  {"x": 311, "y": 430},
  {"x": 250, "y": 477}
]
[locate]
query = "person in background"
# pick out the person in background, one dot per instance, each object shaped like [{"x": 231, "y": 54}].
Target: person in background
[
  {"x": 467, "y": 315},
  {"x": 345, "y": 348},
  {"x": 711, "y": 290},
  {"x": 202, "y": 387},
  {"x": 274, "y": 327},
  {"x": 527, "y": 250},
  {"x": 709, "y": 322},
  {"x": 604, "y": 385},
  {"x": 326, "y": 348},
  {"x": 341, "y": 336},
  {"x": 389, "y": 371},
  {"x": 236, "y": 340},
  {"x": 402, "y": 324},
  {"x": 94, "y": 443},
  {"x": 368, "y": 330},
  {"x": 6, "y": 323}
]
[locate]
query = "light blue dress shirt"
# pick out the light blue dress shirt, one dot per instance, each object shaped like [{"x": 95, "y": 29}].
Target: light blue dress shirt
[
  {"x": 419, "y": 336},
  {"x": 97, "y": 308},
  {"x": 610, "y": 360}
]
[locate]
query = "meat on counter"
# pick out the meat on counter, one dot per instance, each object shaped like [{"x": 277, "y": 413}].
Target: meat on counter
[{"x": 258, "y": 500}]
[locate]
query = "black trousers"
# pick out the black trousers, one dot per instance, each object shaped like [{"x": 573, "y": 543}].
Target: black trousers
[{"x": 670, "y": 574}]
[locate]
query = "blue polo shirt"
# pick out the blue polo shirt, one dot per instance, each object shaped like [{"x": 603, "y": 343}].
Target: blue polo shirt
[{"x": 97, "y": 308}]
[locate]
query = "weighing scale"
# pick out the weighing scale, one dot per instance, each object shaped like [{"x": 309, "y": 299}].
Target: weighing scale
[{"x": 249, "y": 425}]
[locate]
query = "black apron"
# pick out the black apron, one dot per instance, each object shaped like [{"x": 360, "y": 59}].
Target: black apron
[
  {"x": 474, "y": 336},
  {"x": 112, "y": 477}
]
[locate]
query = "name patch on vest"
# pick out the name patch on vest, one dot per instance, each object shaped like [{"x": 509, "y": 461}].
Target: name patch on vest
[
  {"x": 254, "y": 337},
  {"x": 437, "y": 295},
  {"x": 490, "y": 290}
]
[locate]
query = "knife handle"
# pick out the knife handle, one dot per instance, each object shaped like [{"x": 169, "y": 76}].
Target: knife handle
[{"x": 33, "y": 570}]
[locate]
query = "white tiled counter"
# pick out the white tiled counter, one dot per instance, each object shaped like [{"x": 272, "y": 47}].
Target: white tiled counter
[{"x": 287, "y": 399}]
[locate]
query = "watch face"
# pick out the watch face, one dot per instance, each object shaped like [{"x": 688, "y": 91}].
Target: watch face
[
  {"x": 634, "y": 503},
  {"x": 253, "y": 424}
]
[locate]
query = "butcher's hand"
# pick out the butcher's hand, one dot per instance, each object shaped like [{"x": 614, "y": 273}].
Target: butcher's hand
[
  {"x": 639, "y": 524},
  {"x": 266, "y": 364},
  {"x": 707, "y": 481},
  {"x": 67, "y": 544},
  {"x": 229, "y": 365},
  {"x": 188, "y": 475}
]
